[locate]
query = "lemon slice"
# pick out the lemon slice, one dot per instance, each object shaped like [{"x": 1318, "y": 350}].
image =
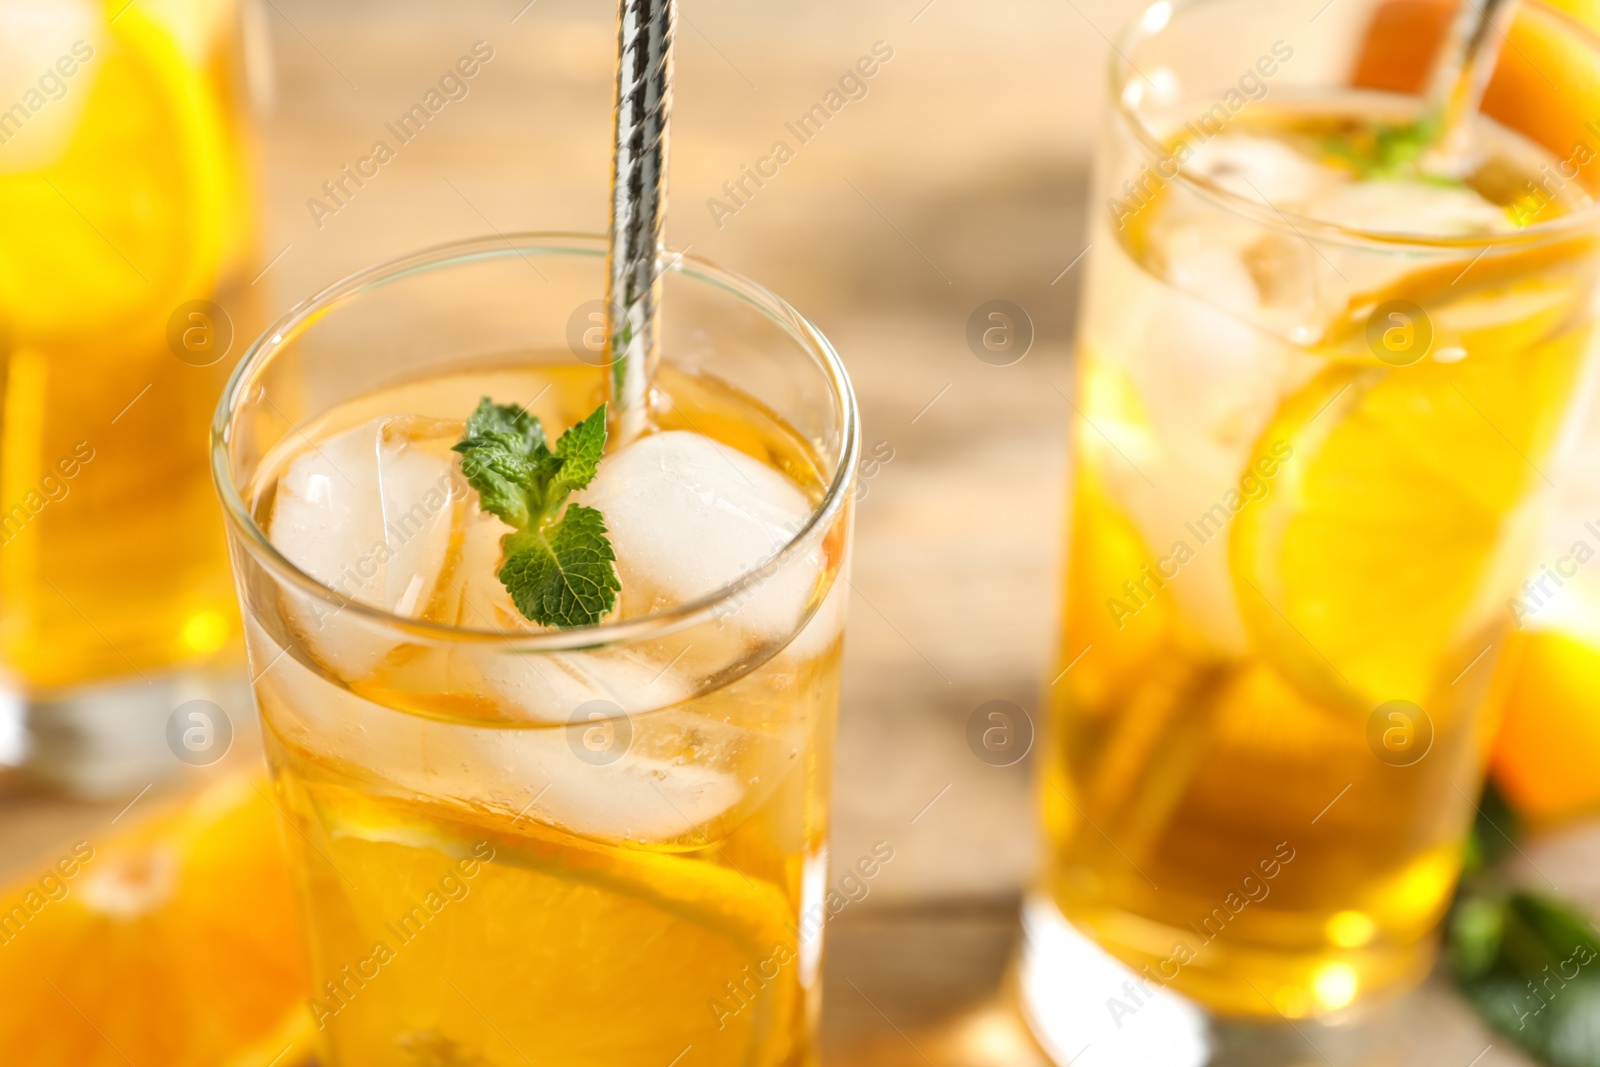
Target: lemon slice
[
  {"x": 174, "y": 943},
  {"x": 1395, "y": 530},
  {"x": 123, "y": 225}
]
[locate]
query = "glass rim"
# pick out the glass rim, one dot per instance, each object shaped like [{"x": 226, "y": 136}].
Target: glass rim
[
  {"x": 304, "y": 316},
  {"x": 1154, "y": 19}
]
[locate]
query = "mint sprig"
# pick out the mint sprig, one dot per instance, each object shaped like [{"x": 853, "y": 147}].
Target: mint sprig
[
  {"x": 1389, "y": 150},
  {"x": 1529, "y": 962},
  {"x": 559, "y": 566}
]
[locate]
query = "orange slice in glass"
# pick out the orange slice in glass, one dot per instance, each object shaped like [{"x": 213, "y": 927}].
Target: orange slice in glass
[
  {"x": 123, "y": 224},
  {"x": 1398, "y": 526}
]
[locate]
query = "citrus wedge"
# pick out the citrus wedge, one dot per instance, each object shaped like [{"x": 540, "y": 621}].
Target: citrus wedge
[
  {"x": 123, "y": 225},
  {"x": 542, "y": 935},
  {"x": 1398, "y": 525},
  {"x": 1498, "y": 303},
  {"x": 171, "y": 944}
]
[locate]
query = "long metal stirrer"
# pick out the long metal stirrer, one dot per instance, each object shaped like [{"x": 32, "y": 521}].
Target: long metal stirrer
[
  {"x": 1461, "y": 76},
  {"x": 638, "y": 205}
]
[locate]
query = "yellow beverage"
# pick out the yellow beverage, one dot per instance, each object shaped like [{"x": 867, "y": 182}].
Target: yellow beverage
[
  {"x": 599, "y": 857},
  {"x": 1308, "y": 481},
  {"x": 122, "y": 187}
]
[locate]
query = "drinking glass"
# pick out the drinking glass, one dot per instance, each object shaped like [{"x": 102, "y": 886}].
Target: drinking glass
[
  {"x": 124, "y": 186},
  {"x": 602, "y": 845},
  {"x": 1310, "y": 462}
]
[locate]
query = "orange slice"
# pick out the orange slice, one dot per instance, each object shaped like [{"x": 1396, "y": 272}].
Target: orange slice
[
  {"x": 545, "y": 940},
  {"x": 1397, "y": 528},
  {"x": 123, "y": 225},
  {"x": 171, "y": 944}
]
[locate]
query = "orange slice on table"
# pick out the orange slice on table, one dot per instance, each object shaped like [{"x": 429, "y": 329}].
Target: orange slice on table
[
  {"x": 173, "y": 944},
  {"x": 122, "y": 225}
]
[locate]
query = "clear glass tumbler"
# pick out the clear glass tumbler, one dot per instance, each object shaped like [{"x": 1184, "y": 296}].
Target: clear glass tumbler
[
  {"x": 125, "y": 267},
  {"x": 598, "y": 845},
  {"x": 1319, "y": 401}
]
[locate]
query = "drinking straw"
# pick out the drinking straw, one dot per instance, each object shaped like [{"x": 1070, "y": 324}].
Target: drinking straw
[
  {"x": 638, "y": 204},
  {"x": 1465, "y": 64}
]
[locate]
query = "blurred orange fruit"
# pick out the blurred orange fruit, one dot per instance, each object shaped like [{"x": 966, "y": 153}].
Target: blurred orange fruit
[
  {"x": 1549, "y": 740},
  {"x": 173, "y": 943},
  {"x": 1546, "y": 84}
]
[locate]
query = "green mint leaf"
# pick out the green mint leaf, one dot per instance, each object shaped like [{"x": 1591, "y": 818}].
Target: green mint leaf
[
  {"x": 1400, "y": 148},
  {"x": 503, "y": 470},
  {"x": 1494, "y": 831},
  {"x": 1389, "y": 150},
  {"x": 564, "y": 573},
  {"x": 559, "y": 566},
  {"x": 1530, "y": 965},
  {"x": 580, "y": 449},
  {"x": 492, "y": 418},
  {"x": 1476, "y": 927}
]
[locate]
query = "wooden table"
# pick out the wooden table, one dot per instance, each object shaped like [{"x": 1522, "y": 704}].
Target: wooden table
[{"x": 959, "y": 178}]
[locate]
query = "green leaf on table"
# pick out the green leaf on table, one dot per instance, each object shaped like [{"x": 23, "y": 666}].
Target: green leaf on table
[
  {"x": 1494, "y": 831},
  {"x": 1530, "y": 965},
  {"x": 559, "y": 566}
]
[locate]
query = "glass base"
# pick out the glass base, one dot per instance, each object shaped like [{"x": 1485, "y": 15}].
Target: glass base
[
  {"x": 1082, "y": 1002},
  {"x": 102, "y": 740}
]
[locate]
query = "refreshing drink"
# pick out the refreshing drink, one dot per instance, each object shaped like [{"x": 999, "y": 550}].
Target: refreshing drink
[
  {"x": 122, "y": 186},
  {"x": 1318, "y": 389},
  {"x": 518, "y": 842}
]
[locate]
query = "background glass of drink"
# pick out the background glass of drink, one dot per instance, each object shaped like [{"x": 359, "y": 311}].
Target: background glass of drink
[
  {"x": 124, "y": 189},
  {"x": 602, "y": 844},
  {"x": 1311, "y": 458}
]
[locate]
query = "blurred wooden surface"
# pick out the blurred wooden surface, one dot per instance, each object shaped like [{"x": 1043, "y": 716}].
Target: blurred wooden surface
[{"x": 957, "y": 179}]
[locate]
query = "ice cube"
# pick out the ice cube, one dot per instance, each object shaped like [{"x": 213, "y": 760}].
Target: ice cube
[
  {"x": 1261, "y": 169},
  {"x": 651, "y": 792},
  {"x": 1399, "y": 207},
  {"x": 689, "y": 515},
  {"x": 368, "y": 513},
  {"x": 535, "y": 687},
  {"x": 472, "y": 595},
  {"x": 1182, "y": 381},
  {"x": 554, "y": 687},
  {"x": 826, "y": 626},
  {"x": 1202, "y": 260},
  {"x": 1408, "y": 207}
]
